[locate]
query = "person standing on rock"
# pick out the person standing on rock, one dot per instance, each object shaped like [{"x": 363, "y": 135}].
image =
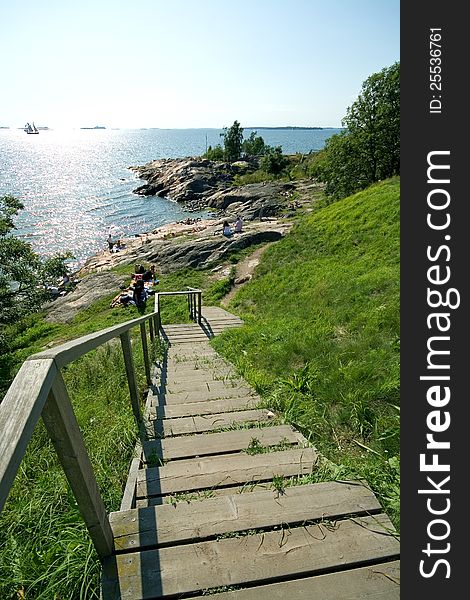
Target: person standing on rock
[{"x": 110, "y": 243}]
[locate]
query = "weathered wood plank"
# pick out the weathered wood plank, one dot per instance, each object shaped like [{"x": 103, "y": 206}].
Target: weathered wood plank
[
  {"x": 130, "y": 372},
  {"x": 62, "y": 426},
  {"x": 19, "y": 412},
  {"x": 205, "y": 444},
  {"x": 205, "y": 384},
  {"x": 145, "y": 351},
  {"x": 175, "y": 339},
  {"x": 189, "y": 522},
  {"x": 250, "y": 559},
  {"x": 70, "y": 351},
  {"x": 177, "y": 355},
  {"x": 196, "y": 330},
  {"x": 189, "y": 396},
  {"x": 221, "y": 471},
  {"x": 203, "y": 327},
  {"x": 182, "y": 370},
  {"x": 201, "y": 407},
  {"x": 200, "y": 424},
  {"x": 375, "y": 582},
  {"x": 197, "y": 377},
  {"x": 128, "y": 497},
  {"x": 197, "y": 495}
]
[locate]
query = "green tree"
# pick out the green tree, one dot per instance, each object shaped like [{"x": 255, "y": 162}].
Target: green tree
[
  {"x": 216, "y": 153},
  {"x": 23, "y": 275},
  {"x": 369, "y": 149},
  {"x": 254, "y": 145},
  {"x": 233, "y": 138},
  {"x": 274, "y": 162}
]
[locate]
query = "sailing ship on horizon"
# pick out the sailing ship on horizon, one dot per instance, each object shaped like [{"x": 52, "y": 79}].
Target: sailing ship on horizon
[{"x": 31, "y": 128}]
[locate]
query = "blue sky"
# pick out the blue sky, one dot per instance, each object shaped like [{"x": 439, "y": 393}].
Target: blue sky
[{"x": 204, "y": 63}]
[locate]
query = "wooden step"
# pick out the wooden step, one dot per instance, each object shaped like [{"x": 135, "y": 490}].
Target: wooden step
[
  {"x": 249, "y": 559},
  {"x": 186, "y": 425},
  {"x": 222, "y": 471},
  {"x": 205, "y": 444},
  {"x": 375, "y": 582},
  {"x": 192, "y": 521},
  {"x": 204, "y": 384},
  {"x": 181, "y": 370},
  {"x": 189, "y": 396},
  {"x": 208, "y": 407}
]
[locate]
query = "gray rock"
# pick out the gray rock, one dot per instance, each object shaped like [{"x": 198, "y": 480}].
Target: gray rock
[{"x": 91, "y": 288}]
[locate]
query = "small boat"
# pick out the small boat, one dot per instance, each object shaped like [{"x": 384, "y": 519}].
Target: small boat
[{"x": 31, "y": 128}]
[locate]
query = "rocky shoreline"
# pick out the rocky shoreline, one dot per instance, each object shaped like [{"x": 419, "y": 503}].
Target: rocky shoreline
[
  {"x": 193, "y": 243},
  {"x": 200, "y": 184}
]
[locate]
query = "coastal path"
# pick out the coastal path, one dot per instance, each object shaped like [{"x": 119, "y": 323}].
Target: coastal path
[{"x": 214, "y": 501}]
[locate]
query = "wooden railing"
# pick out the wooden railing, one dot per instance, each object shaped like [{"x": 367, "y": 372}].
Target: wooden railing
[
  {"x": 194, "y": 302},
  {"x": 39, "y": 390}
]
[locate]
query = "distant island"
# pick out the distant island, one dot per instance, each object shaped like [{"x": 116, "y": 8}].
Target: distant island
[
  {"x": 95, "y": 127},
  {"x": 289, "y": 127}
]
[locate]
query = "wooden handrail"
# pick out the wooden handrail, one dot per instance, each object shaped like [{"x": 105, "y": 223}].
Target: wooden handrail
[
  {"x": 70, "y": 351},
  {"x": 194, "y": 302},
  {"x": 39, "y": 389},
  {"x": 19, "y": 412}
]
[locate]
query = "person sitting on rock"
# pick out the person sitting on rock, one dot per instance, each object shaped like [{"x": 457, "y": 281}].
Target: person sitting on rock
[
  {"x": 150, "y": 275},
  {"x": 123, "y": 298},
  {"x": 238, "y": 225},
  {"x": 226, "y": 229},
  {"x": 138, "y": 272}
]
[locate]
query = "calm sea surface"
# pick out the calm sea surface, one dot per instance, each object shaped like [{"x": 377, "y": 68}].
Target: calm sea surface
[{"x": 76, "y": 185}]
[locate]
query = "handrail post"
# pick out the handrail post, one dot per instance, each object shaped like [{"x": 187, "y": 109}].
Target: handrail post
[
  {"x": 199, "y": 310},
  {"x": 130, "y": 371},
  {"x": 145, "y": 350},
  {"x": 157, "y": 325},
  {"x": 63, "y": 429},
  {"x": 157, "y": 320}
]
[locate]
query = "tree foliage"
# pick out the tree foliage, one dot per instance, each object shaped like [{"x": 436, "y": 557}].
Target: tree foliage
[
  {"x": 23, "y": 275},
  {"x": 254, "y": 145},
  {"x": 274, "y": 162},
  {"x": 369, "y": 149},
  {"x": 233, "y": 139},
  {"x": 216, "y": 153}
]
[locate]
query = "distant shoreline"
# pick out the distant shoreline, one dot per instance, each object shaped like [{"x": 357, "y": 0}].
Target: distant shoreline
[{"x": 292, "y": 128}]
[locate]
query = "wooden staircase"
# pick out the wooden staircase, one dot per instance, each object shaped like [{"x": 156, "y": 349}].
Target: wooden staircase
[{"x": 209, "y": 505}]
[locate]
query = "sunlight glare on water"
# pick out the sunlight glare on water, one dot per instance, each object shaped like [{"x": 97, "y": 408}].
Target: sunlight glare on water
[{"x": 76, "y": 185}]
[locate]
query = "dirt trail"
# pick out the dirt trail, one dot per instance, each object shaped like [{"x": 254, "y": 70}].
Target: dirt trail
[{"x": 244, "y": 272}]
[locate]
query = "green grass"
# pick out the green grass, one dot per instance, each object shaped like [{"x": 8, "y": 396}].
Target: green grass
[
  {"x": 321, "y": 340},
  {"x": 45, "y": 550}
]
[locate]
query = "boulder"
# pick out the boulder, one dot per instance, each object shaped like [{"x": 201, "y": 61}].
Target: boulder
[{"x": 91, "y": 288}]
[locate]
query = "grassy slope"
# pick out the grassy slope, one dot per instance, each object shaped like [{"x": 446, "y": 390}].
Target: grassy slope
[{"x": 321, "y": 341}]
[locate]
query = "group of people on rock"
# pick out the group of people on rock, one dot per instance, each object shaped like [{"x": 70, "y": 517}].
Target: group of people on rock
[
  {"x": 114, "y": 245},
  {"x": 140, "y": 288},
  {"x": 237, "y": 227}
]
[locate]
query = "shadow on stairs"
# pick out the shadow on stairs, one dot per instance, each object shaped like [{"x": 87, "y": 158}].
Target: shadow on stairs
[{"x": 221, "y": 497}]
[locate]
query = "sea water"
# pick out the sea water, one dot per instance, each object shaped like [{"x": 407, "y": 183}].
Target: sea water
[{"x": 76, "y": 185}]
